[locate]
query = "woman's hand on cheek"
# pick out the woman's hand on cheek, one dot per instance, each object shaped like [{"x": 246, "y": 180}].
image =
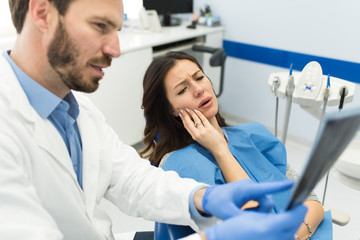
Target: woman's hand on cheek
[{"x": 201, "y": 130}]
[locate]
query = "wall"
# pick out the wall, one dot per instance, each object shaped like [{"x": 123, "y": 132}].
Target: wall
[
  {"x": 325, "y": 28},
  {"x": 6, "y": 27}
]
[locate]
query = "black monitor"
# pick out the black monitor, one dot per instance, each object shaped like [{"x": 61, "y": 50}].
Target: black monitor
[{"x": 167, "y": 7}]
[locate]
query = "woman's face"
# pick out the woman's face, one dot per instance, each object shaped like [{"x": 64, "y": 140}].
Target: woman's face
[{"x": 187, "y": 86}]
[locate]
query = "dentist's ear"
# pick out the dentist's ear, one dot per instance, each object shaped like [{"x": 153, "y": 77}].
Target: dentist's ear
[{"x": 39, "y": 11}]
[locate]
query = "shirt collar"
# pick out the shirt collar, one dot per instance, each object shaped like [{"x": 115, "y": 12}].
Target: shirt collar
[
  {"x": 41, "y": 99},
  {"x": 74, "y": 106}
]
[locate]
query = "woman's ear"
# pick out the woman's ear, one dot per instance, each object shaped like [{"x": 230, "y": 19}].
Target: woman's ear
[{"x": 39, "y": 11}]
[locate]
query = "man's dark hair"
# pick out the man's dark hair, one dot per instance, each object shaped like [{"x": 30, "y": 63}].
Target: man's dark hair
[{"x": 19, "y": 9}]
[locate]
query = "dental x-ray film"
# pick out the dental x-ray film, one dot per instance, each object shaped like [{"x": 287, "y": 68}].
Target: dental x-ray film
[{"x": 334, "y": 134}]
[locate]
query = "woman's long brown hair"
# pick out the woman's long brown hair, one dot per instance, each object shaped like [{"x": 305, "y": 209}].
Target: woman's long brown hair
[{"x": 158, "y": 112}]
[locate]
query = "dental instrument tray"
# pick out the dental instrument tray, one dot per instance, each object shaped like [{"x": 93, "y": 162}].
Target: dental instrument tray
[{"x": 335, "y": 133}]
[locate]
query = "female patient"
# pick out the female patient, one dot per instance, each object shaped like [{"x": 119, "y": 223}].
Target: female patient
[{"x": 180, "y": 104}]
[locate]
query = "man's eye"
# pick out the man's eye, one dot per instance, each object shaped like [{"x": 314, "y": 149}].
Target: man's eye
[
  {"x": 199, "y": 78},
  {"x": 100, "y": 26}
]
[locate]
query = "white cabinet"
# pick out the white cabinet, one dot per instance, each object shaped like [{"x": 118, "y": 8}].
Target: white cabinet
[{"x": 119, "y": 96}]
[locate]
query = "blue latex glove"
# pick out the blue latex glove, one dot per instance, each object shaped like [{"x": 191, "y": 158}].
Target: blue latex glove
[
  {"x": 225, "y": 201},
  {"x": 251, "y": 225}
]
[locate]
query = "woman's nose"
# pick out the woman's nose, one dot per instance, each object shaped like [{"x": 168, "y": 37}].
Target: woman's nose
[{"x": 198, "y": 90}]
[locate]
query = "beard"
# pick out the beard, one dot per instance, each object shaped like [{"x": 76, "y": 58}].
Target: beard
[{"x": 63, "y": 55}]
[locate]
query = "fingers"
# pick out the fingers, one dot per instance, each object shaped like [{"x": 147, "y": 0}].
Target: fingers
[
  {"x": 197, "y": 121},
  {"x": 266, "y": 204},
  {"x": 259, "y": 192},
  {"x": 261, "y": 189},
  {"x": 202, "y": 131},
  {"x": 188, "y": 122},
  {"x": 202, "y": 118},
  {"x": 193, "y": 119},
  {"x": 293, "y": 218}
]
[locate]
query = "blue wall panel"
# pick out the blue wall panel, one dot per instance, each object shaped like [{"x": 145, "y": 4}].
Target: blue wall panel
[{"x": 342, "y": 69}]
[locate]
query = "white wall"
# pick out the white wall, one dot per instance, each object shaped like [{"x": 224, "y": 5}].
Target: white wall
[
  {"x": 132, "y": 8},
  {"x": 6, "y": 27},
  {"x": 326, "y": 28},
  {"x": 329, "y": 28}
]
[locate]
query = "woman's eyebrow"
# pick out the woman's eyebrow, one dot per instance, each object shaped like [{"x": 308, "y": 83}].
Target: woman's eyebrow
[
  {"x": 194, "y": 74},
  {"x": 180, "y": 83},
  {"x": 183, "y": 81}
]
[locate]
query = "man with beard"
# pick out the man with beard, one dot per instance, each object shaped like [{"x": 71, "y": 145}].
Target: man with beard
[{"x": 59, "y": 159}]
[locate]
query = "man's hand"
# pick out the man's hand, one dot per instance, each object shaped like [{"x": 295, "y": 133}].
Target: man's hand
[
  {"x": 225, "y": 201},
  {"x": 251, "y": 225}
]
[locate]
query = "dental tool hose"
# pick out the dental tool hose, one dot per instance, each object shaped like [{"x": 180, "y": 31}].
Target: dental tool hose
[
  {"x": 326, "y": 98},
  {"x": 275, "y": 87},
  {"x": 343, "y": 93},
  {"x": 289, "y": 92}
]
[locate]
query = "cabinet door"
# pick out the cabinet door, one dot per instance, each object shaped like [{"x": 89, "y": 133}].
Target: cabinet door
[{"x": 120, "y": 94}]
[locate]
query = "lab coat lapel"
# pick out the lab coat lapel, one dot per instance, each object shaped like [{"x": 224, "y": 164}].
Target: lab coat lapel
[
  {"x": 45, "y": 134},
  {"x": 48, "y": 138},
  {"x": 91, "y": 152}
]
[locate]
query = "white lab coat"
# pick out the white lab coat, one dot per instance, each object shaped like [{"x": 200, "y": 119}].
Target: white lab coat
[{"x": 39, "y": 194}]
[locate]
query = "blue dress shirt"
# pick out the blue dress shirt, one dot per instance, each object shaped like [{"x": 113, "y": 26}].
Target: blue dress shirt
[{"x": 62, "y": 113}]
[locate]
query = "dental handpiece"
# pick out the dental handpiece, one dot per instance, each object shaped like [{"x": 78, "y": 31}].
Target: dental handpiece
[
  {"x": 290, "y": 87},
  {"x": 326, "y": 96}
]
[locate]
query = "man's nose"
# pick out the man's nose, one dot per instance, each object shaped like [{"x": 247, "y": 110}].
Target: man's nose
[{"x": 112, "y": 46}]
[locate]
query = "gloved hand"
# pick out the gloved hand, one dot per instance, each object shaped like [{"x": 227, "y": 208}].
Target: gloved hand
[
  {"x": 224, "y": 201},
  {"x": 251, "y": 225}
]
